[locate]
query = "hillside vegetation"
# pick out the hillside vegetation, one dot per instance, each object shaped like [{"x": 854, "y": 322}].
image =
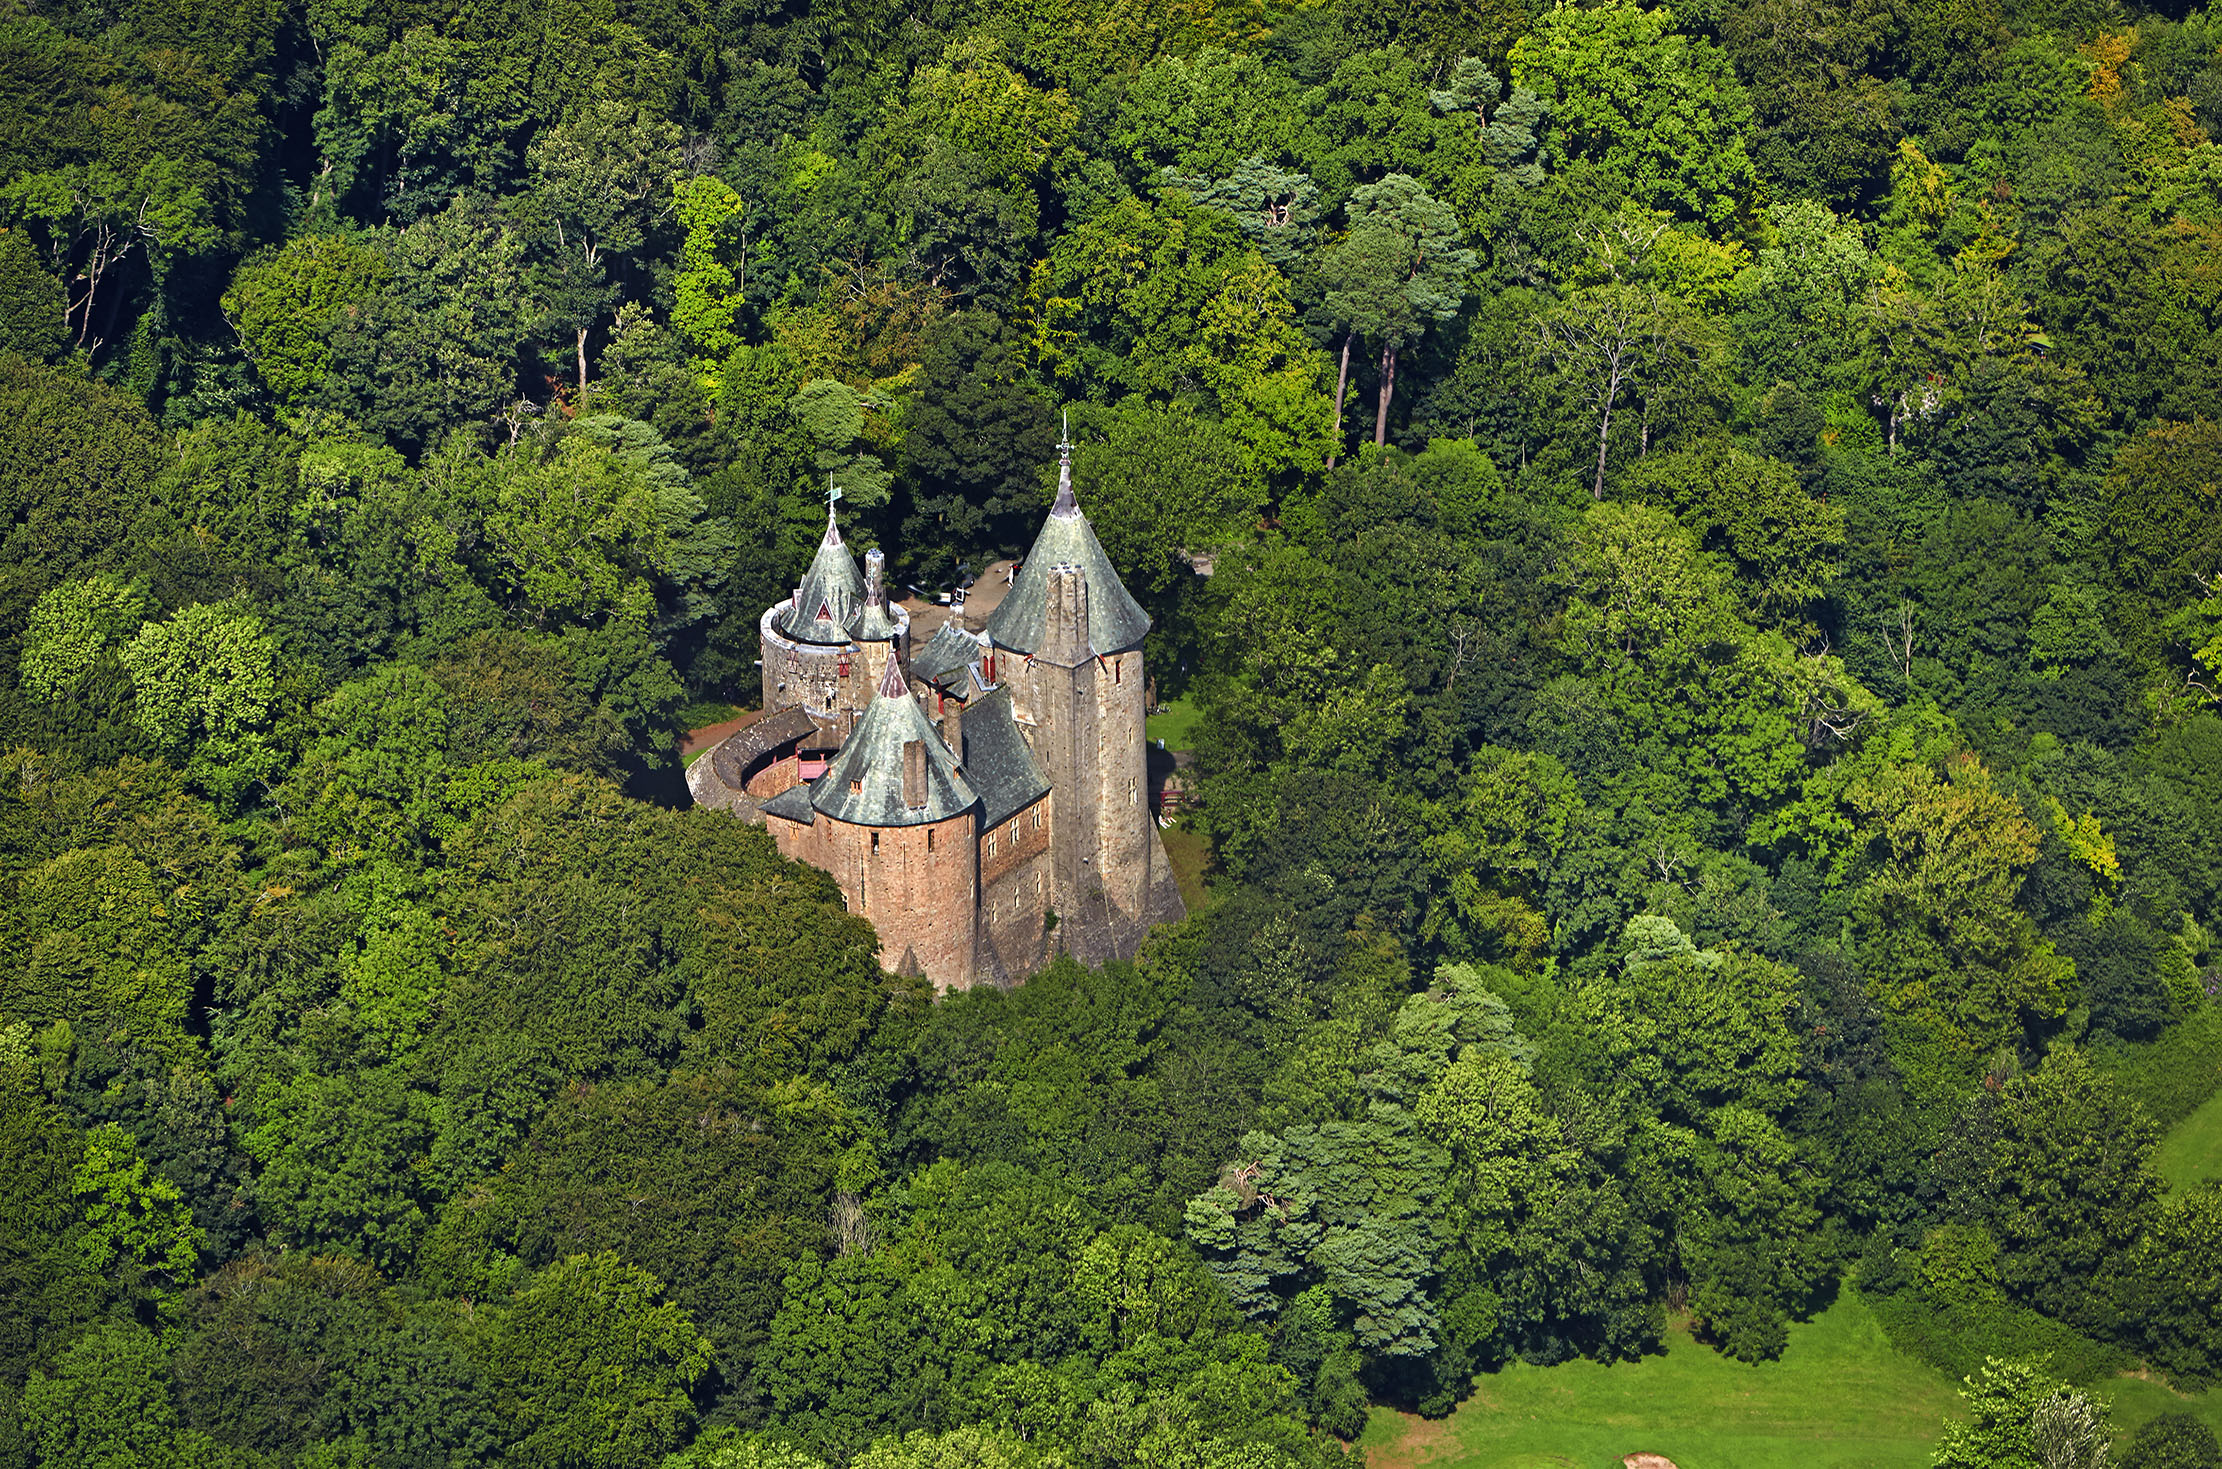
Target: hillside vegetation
[{"x": 1707, "y": 758}]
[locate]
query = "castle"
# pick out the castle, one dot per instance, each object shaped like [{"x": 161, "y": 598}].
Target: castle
[{"x": 983, "y": 800}]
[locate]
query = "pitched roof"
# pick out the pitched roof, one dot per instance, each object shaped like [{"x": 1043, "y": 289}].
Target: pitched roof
[
  {"x": 950, "y": 649},
  {"x": 997, "y": 759},
  {"x": 830, "y": 595},
  {"x": 864, "y": 784},
  {"x": 873, "y": 625},
  {"x": 1115, "y": 621},
  {"x": 792, "y": 803}
]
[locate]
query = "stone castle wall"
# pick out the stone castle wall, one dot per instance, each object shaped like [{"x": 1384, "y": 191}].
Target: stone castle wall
[
  {"x": 834, "y": 682},
  {"x": 1016, "y": 893},
  {"x": 918, "y": 884}
]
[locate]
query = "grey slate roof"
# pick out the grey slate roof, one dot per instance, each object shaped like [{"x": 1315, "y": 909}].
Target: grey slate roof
[
  {"x": 998, "y": 761},
  {"x": 1115, "y": 621},
  {"x": 872, "y": 760},
  {"x": 792, "y": 803},
  {"x": 949, "y": 649},
  {"x": 873, "y": 625},
  {"x": 832, "y": 586}
]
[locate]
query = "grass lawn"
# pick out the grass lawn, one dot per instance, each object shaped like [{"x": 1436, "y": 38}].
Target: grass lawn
[
  {"x": 1176, "y": 726},
  {"x": 1840, "y": 1397},
  {"x": 1189, "y": 853},
  {"x": 2191, "y": 1152},
  {"x": 705, "y": 712}
]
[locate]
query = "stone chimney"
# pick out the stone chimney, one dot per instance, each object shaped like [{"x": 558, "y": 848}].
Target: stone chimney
[
  {"x": 1065, "y": 640},
  {"x": 914, "y": 774},
  {"x": 875, "y": 567},
  {"x": 952, "y": 727}
]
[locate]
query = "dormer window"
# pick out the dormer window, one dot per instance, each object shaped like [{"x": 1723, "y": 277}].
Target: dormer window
[{"x": 856, "y": 787}]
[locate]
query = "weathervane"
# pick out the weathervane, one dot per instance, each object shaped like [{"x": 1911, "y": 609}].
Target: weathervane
[{"x": 1064, "y": 442}]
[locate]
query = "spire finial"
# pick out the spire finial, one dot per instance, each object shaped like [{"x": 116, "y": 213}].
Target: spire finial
[
  {"x": 833, "y": 526},
  {"x": 1066, "y": 504}
]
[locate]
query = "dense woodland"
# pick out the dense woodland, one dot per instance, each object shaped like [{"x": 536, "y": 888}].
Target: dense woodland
[{"x": 1709, "y": 741}]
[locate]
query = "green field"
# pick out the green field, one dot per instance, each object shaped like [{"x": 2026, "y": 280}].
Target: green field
[
  {"x": 1840, "y": 1396},
  {"x": 2191, "y": 1153},
  {"x": 1176, "y": 726},
  {"x": 704, "y": 712}
]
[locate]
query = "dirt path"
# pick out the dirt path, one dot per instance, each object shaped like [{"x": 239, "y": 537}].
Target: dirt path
[{"x": 710, "y": 734}]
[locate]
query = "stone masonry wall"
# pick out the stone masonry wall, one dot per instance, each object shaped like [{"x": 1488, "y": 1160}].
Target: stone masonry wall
[
  {"x": 1015, "y": 895},
  {"x": 1125, "y": 834},
  {"x": 776, "y": 777},
  {"x": 812, "y": 676},
  {"x": 917, "y": 884}
]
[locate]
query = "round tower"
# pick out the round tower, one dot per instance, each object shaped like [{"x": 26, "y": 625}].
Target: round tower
[
  {"x": 895, "y": 820},
  {"x": 823, "y": 647}
]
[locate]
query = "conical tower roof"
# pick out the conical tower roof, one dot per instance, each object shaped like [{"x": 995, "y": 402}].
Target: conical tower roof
[
  {"x": 832, "y": 591},
  {"x": 864, "y": 784},
  {"x": 1116, "y": 622}
]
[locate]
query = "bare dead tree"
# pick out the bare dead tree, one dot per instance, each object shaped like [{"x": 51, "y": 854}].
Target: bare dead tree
[
  {"x": 1599, "y": 338},
  {"x": 1900, "y": 644}
]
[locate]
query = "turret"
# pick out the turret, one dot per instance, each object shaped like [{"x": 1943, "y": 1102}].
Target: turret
[
  {"x": 1077, "y": 688},
  {"x": 831, "y": 592},
  {"x": 1067, "y": 544}
]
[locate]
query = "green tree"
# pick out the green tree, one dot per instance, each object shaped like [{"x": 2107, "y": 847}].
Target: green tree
[
  {"x": 712, "y": 284},
  {"x": 436, "y": 347},
  {"x": 1656, "y": 116},
  {"x": 1783, "y": 543},
  {"x": 2019, "y": 1418},
  {"x": 959, "y": 1448},
  {"x": 206, "y": 684},
  {"x": 76, "y": 460},
  {"x": 589, "y": 1368},
  {"x": 88, "y": 942},
  {"x": 1399, "y": 268},
  {"x": 2173, "y": 1440},
  {"x": 1950, "y": 948},
  {"x": 34, "y": 319},
  {"x": 2075, "y": 1188},
  {"x": 136, "y": 1221},
  {"x": 104, "y": 212},
  {"x": 46, "y": 1290},
  {"x": 1698, "y": 1048},
  {"x": 974, "y": 443},
  {"x": 286, "y": 304},
  {"x": 2178, "y": 1270},
  {"x": 74, "y": 627},
  {"x": 1494, "y": 844},
  {"x": 1161, "y": 485},
  {"x": 1162, "y": 300},
  {"x": 106, "y": 1403},
  {"x": 341, "y": 1159},
  {"x": 2164, "y": 503},
  {"x": 600, "y": 181}
]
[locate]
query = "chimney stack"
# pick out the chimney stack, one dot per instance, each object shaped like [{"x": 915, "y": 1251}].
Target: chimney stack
[
  {"x": 1065, "y": 641},
  {"x": 952, "y": 727},
  {"x": 914, "y": 773}
]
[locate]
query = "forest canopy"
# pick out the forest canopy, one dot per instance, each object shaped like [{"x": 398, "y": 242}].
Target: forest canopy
[{"x": 1691, "y": 537}]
